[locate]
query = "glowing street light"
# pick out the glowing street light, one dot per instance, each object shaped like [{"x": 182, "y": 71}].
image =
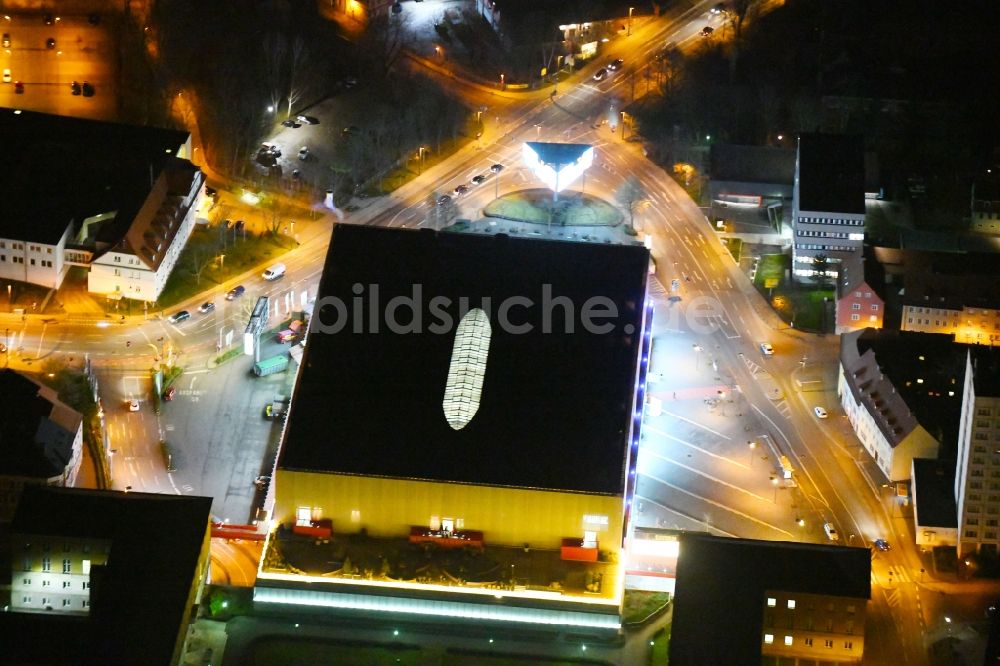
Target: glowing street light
[
  {"x": 501, "y": 82},
  {"x": 629, "y": 33},
  {"x": 752, "y": 445}
]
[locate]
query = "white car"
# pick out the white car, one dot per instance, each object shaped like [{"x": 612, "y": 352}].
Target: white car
[
  {"x": 819, "y": 412},
  {"x": 766, "y": 349},
  {"x": 133, "y": 405},
  {"x": 831, "y": 532}
]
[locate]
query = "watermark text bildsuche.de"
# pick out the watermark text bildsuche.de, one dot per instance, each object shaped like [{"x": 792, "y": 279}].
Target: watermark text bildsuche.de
[{"x": 516, "y": 315}]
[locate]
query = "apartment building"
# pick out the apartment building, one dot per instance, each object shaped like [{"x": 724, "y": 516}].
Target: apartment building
[
  {"x": 977, "y": 474},
  {"x": 828, "y": 201}
]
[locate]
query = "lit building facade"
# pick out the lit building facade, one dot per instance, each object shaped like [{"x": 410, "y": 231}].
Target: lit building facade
[
  {"x": 859, "y": 307},
  {"x": 519, "y": 500},
  {"x": 52, "y": 573},
  {"x": 969, "y": 325},
  {"x": 827, "y": 628}
]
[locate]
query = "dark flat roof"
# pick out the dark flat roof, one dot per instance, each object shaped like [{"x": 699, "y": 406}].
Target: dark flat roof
[
  {"x": 31, "y": 443},
  {"x": 70, "y": 168},
  {"x": 719, "y": 597},
  {"x": 555, "y": 408},
  {"x": 934, "y": 490},
  {"x": 831, "y": 173},
  {"x": 754, "y": 164},
  {"x": 136, "y": 613}
]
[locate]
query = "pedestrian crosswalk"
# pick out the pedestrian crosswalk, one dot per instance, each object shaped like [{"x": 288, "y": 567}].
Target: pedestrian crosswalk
[{"x": 656, "y": 288}]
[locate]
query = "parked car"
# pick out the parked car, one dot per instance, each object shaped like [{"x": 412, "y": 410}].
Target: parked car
[
  {"x": 169, "y": 394},
  {"x": 206, "y": 307},
  {"x": 480, "y": 179},
  {"x": 273, "y": 272},
  {"x": 49, "y": 19},
  {"x": 819, "y": 412},
  {"x": 235, "y": 292},
  {"x": 496, "y": 168},
  {"x": 307, "y": 120},
  {"x": 88, "y": 89},
  {"x": 461, "y": 189},
  {"x": 75, "y": 88},
  {"x": 719, "y": 8},
  {"x": 601, "y": 74},
  {"x": 178, "y": 317},
  {"x": 133, "y": 405},
  {"x": 6, "y": 40},
  {"x": 50, "y": 43},
  {"x": 304, "y": 152},
  {"x": 831, "y": 532},
  {"x": 707, "y": 30},
  {"x": 18, "y": 88},
  {"x": 290, "y": 123},
  {"x": 766, "y": 349},
  {"x": 616, "y": 64},
  {"x": 443, "y": 199}
]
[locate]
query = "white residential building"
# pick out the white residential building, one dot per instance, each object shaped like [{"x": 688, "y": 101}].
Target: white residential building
[{"x": 139, "y": 264}]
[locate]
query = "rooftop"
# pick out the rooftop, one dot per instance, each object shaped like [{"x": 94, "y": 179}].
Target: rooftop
[
  {"x": 762, "y": 164},
  {"x": 71, "y": 168},
  {"x": 831, "y": 173},
  {"x": 720, "y": 592},
  {"x": 906, "y": 379},
  {"x": 552, "y": 409},
  {"x": 156, "y": 543},
  {"x": 36, "y": 429},
  {"x": 986, "y": 370},
  {"x": 558, "y": 154},
  {"x": 934, "y": 488}
]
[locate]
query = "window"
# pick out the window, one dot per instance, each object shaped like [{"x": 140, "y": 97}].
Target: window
[
  {"x": 848, "y": 645},
  {"x": 355, "y": 516},
  {"x": 86, "y": 567},
  {"x": 66, "y": 602},
  {"x": 67, "y": 566},
  {"x": 850, "y": 626},
  {"x": 86, "y": 548},
  {"x": 66, "y": 584},
  {"x": 27, "y": 564},
  {"x": 855, "y": 317},
  {"x": 788, "y": 640},
  {"x": 46, "y": 563},
  {"x": 771, "y": 602},
  {"x": 855, "y": 306},
  {"x": 808, "y": 642},
  {"x": 828, "y": 643},
  {"x": 46, "y": 583},
  {"x": 86, "y": 585},
  {"x": 26, "y": 600},
  {"x": 791, "y": 604},
  {"x": 768, "y": 638},
  {"x": 86, "y": 603},
  {"x": 303, "y": 515},
  {"x": 874, "y": 307},
  {"x": 26, "y": 581}
]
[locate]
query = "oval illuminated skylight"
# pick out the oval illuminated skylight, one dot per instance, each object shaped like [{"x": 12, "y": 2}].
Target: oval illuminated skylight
[{"x": 468, "y": 366}]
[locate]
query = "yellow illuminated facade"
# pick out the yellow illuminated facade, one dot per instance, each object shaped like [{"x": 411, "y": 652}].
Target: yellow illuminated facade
[
  {"x": 506, "y": 516},
  {"x": 969, "y": 325}
]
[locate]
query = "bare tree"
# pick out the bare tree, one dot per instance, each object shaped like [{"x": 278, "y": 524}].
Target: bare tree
[
  {"x": 201, "y": 258},
  {"x": 384, "y": 41},
  {"x": 737, "y": 13},
  {"x": 628, "y": 196}
]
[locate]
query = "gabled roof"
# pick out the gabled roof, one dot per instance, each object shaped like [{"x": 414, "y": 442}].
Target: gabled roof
[
  {"x": 720, "y": 594},
  {"x": 551, "y": 410},
  {"x": 36, "y": 429},
  {"x": 71, "y": 168}
]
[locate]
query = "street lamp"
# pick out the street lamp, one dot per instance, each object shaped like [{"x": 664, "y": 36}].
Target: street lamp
[
  {"x": 501, "y": 82},
  {"x": 222, "y": 261},
  {"x": 420, "y": 159},
  {"x": 629, "y": 33},
  {"x": 697, "y": 350},
  {"x": 270, "y": 108},
  {"x": 752, "y": 445}
]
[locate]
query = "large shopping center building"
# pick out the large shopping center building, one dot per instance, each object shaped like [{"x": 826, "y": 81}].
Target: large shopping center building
[{"x": 463, "y": 432}]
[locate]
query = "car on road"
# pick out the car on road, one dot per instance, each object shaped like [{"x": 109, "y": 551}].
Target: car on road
[
  {"x": 601, "y": 74},
  {"x": 882, "y": 544},
  {"x": 766, "y": 349},
  {"x": 290, "y": 123},
  {"x": 75, "y": 88},
  {"x": 49, "y": 19},
  {"x": 307, "y": 120},
  {"x": 270, "y": 148},
  {"x": 707, "y": 30},
  {"x": 719, "y": 8},
  {"x": 206, "y": 307},
  {"x": 831, "y": 532},
  {"x": 616, "y": 64},
  {"x": 461, "y": 189},
  {"x": 235, "y": 292},
  {"x": 88, "y": 89},
  {"x": 178, "y": 317},
  {"x": 444, "y": 199},
  {"x": 6, "y": 75},
  {"x": 274, "y": 272},
  {"x": 496, "y": 168},
  {"x": 480, "y": 179},
  {"x": 50, "y": 43},
  {"x": 18, "y": 88},
  {"x": 819, "y": 412},
  {"x": 169, "y": 394},
  {"x": 133, "y": 405},
  {"x": 349, "y": 82},
  {"x": 6, "y": 40},
  {"x": 304, "y": 152}
]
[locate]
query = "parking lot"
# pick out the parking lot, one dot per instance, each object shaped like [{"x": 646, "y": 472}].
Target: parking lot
[{"x": 80, "y": 52}]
